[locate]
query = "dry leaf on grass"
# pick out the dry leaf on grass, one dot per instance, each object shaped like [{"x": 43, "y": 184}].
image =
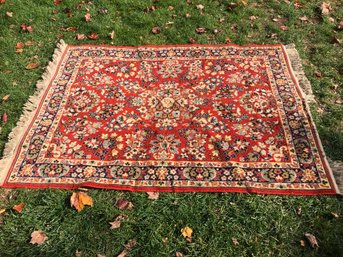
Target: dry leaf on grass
[
  {"x": 179, "y": 254},
  {"x": 2, "y": 1},
  {"x": 325, "y": 8},
  {"x": 128, "y": 247},
  {"x": 57, "y": 2},
  {"x": 187, "y": 232},
  {"x": 335, "y": 215},
  {"x": 9, "y": 14},
  {"x": 200, "y": 6},
  {"x": 26, "y": 28},
  {"x": 80, "y": 36},
  {"x": 100, "y": 255},
  {"x": 283, "y": 27},
  {"x": 19, "y": 207},
  {"x": 112, "y": 34},
  {"x": 88, "y": 17},
  {"x": 79, "y": 200},
  {"x": 93, "y": 36},
  {"x": 303, "y": 18},
  {"x": 5, "y": 98},
  {"x": 29, "y": 43},
  {"x": 302, "y": 243},
  {"x": 252, "y": 18},
  {"x": 192, "y": 40},
  {"x": 156, "y": 30},
  {"x": 117, "y": 222},
  {"x": 38, "y": 237},
  {"x": 200, "y": 30},
  {"x": 103, "y": 10},
  {"x": 124, "y": 204},
  {"x": 340, "y": 25},
  {"x": 2, "y": 211},
  {"x": 78, "y": 253},
  {"x": 234, "y": 241},
  {"x": 312, "y": 240},
  {"x": 153, "y": 195},
  {"x": 32, "y": 65}
]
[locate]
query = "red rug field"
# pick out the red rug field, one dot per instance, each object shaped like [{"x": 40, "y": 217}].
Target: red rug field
[{"x": 169, "y": 118}]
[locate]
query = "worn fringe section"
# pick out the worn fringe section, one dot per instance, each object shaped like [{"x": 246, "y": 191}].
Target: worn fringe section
[
  {"x": 29, "y": 110},
  {"x": 335, "y": 167}
]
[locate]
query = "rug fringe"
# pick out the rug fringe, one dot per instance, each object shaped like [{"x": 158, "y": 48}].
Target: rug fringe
[
  {"x": 335, "y": 167},
  {"x": 29, "y": 110}
]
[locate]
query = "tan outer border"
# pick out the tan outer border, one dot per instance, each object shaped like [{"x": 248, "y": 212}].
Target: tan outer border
[
  {"x": 305, "y": 88},
  {"x": 30, "y": 107}
]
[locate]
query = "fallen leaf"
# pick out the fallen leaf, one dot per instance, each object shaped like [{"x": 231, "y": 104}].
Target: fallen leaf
[
  {"x": 69, "y": 29},
  {"x": 9, "y": 14},
  {"x": 302, "y": 243},
  {"x": 200, "y": 30},
  {"x": 93, "y": 36},
  {"x": 335, "y": 40},
  {"x": 200, "y": 6},
  {"x": 340, "y": 25},
  {"x": 192, "y": 40},
  {"x": 117, "y": 221},
  {"x": 32, "y": 65},
  {"x": 252, "y": 18},
  {"x": 26, "y": 28},
  {"x": 124, "y": 204},
  {"x": 103, "y": 10},
  {"x": 273, "y": 35},
  {"x": 275, "y": 20},
  {"x": 19, "y": 50},
  {"x": 232, "y": 6},
  {"x": 57, "y": 2},
  {"x": 150, "y": 9},
  {"x": 312, "y": 239},
  {"x": 153, "y": 195},
  {"x": 38, "y": 237},
  {"x": 228, "y": 40},
  {"x": 19, "y": 207},
  {"x": 178, "y": 254},
  {"x": 303, "y": 18},
  {"x": 234, "y": 241},
  {"x": 339, "y": 101},
  {"x": 5, "y": 98},
  {"x": 80, "y": 36},
  {"x": 68, "y": 12},
  {"x": 283, "y": 27},
  {"x": 54, "y": 11},
  {"x": 187, "y": 232},
  {"x": 29, "y": 43},
  {"x": 79, "y": 200},
  {"x": 325, "y": 8},
  {"x": 216, "y": 31},
  {"x": 4, "y": 117},
  {"x": 243, "y": 2},
  {"x": 100, "y": 255},
  {"x": 170, "y": 8},
  {"x": 19, "y": 45},
  {"x": 297, "y": 5},
  {"x": 112, "y": 34},
  {"x": 298, "y": 210},
  {"x": 187, "y": 15},
  {"x": 128, "y": 247},
  {"x": 88, "y": 17},
  {"x": 318, "y": 74},
  {"x": 78, "y": 253},
  {"x": 2, "y": 211},
  {"x": 2, "y": 1},
  {"x": 156, "y": 30},
  {"x": 335, "y": 215}
]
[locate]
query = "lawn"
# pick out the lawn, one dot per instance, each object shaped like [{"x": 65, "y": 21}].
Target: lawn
[{"x": 262, "y": 225}]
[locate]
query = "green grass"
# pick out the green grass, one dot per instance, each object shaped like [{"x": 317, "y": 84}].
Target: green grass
[{"x": 263, "y": 225}]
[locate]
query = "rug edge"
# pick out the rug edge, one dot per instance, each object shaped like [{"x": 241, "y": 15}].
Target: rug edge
[
  {"x": 305, "y": 88},
  {"x": 29, "y": 111}
]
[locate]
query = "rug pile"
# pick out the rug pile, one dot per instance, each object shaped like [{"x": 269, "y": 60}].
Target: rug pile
[{"x": 183, "y": 118}]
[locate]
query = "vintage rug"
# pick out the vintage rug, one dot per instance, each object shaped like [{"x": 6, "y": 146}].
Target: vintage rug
[{"x": 182, "y": 118}]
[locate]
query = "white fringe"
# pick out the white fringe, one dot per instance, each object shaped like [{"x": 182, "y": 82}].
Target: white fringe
[
  {"x": 29, "y": 110},
  {"x": 336, "y": 170}
]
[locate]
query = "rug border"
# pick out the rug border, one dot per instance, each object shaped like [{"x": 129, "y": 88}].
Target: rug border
[{"x": 30, "y": 112}]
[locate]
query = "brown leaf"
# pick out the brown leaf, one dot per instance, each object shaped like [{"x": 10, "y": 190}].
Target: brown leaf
[
  {"x": 93, "y": 36},
  {"x": 29, "y": 43},
  {"x": 100, "y": 255},
  {"x": 78, "y": 253},
  {"x": 200, "y": 30},
  {"x": 128, "y": 247},
  {"x": 2, "y": 211},
  {"x": 32, "y": 65},
  {"x": 153, "y": 195},
  {"x": 117, "y": 222},
  {"x": 273, "y": 35},
  {"x": 19, "y": 207},
  {"x": 156, "y": 30},
  {"x": 26, "y": 28},
  {"x": 4, "y": 117},
  {"x": 192, "y": 40},
  {"x": 312, "y": 240},
  {"x": 5, "y": 98},
  {"x": 54, "y": 11},
  {"x": 298, "y": 210},
  {"x": 9, "y": 14},
  {"x": 179, "y": 254},
  {"x": 339, "y": 101},
  {"x": 103, "y": 10},
  {"x": 2, "y": 1},
  {"x": 112, "y": 34},
  {"x": 19, "y": 45},
  {"x": 340, "y": 25},
  {"x": 68, "y": 12},
  {"x": 335, "y": 40},
  {"x": 188, "y": 15},
  {"x": 88, "y": 17},
  {"x": 303, "y": 18},
  {"x": 334, "y": 214},
  {"x": 170, "y": 8},
  {"x": 187, "y": 232},
  {"x": 302, "y": 243},
  {"x": 228, "y": 40},
  {"x": 325, "y": 8},
  {"x": 80, "y": 36},
  {"x": 69, "y": 29},
  {"x": 234, "y": 241},
  {"x": 252, "y": 18},
  {"x": 150, "y": 9},
  {"x": 57, "y": 2},
  {"x": 38, "y": 237},
  {"x": 318, "y": 74},
  {"x": 297, "y": 5},
  {"x": 79, "y": 200},
  {"x": 283, "y": 27},
  {"x": 124, "y": 204},
  {"x": 200, "y": 6}
]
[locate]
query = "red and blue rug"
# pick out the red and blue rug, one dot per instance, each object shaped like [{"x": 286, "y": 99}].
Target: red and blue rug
[{"x": 182, "y": 118}]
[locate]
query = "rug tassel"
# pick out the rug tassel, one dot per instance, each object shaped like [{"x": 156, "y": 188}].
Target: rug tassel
[
  {"x": 335, "y": 167},
  {"x": 29, "y": 110}
]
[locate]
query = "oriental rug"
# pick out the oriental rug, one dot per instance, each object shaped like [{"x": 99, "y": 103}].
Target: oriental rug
[{"x": 182, "y": 118}]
